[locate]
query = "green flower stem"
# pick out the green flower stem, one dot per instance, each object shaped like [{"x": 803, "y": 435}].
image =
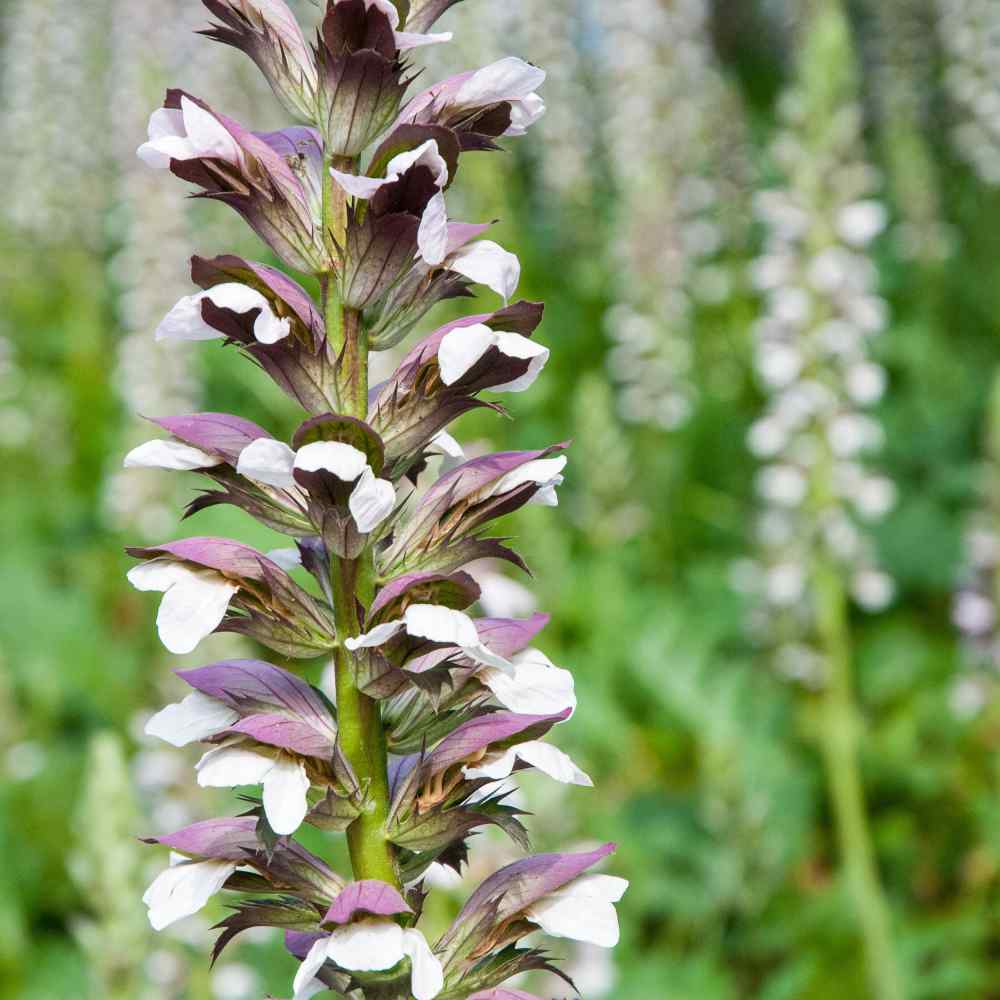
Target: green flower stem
[
  {"x": 839, "y": 729},
  {"x": 359, "y": 718},
  {"x": 362, "y": 737}
]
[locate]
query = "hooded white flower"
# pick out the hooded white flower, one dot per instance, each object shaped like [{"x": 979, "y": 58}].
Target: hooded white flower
[
  {"x": 184, "y": 321},
  {"x": 545, "y": 472},
  {"x": 375, "y": 944},
  {"x": 406, "y": 40},
  {"x": 426, "y": 154},
  {"x": 371, "y": 501},
  {"x": 511, "y": 80},
  {"x": 284, "y": 780},
  {"x": 436, "y": 624},
  {"x": 195, "y": 600},
  {"x": 582, "y": 910},
  {"x": 487, "y": 263},
  {"x": 184, "y": 888},
  {"x": 462, "y": 347},
  {"x": 541, "y": 756},
  {"x": 164, "y": 453},
  {"x": 535, "y": 687},
  {"x": 187, "y": 133},
  {"x": 197, "y": 717}
]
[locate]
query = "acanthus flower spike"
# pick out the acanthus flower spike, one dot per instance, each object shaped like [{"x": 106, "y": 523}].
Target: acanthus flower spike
[{"x": 436, "y": 711}]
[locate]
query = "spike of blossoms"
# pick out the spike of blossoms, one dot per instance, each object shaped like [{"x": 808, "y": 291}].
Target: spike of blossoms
[{"x": 434, "y": 707}]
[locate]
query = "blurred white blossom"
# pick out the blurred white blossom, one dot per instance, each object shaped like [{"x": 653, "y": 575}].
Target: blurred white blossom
[{"x": 821, "y": 309}]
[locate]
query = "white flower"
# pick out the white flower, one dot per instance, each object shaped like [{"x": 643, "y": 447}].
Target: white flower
[
  {"x": 266, "y": 460},
  {"x": 426, "y": 154},
  {"x": 511, "y": 80},
  {"x": 184, "y": 888},
  {"x": 535, "y": 687},
  {"x": 195, "y": 718},
  {"x": 168, "y": 454},
  {"x": 284, "y": 780},
  {"x": 187, "y": 133},
  {"x": 583, "y": 910},
  {"x": 487, "y": 263},
  {"x": 195, "y": 600},
  {"x": 545, "y": 472},
  {"x": 374, "y": 945},
  {"x": 184, "y": 321},
  {"x": 371, "y": 501},
  {"x": 860, "y": 222},
  {"x": 462, "y": 347},
  {"x": 973, "y": 613},
  {"x": 873, "y": 589},
  {"x": 541, "y": 756},
  {"x": 436, "y": 624}
]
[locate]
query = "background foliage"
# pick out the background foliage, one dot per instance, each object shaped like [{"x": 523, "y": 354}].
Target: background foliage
[{"x": 705, "y": 757}]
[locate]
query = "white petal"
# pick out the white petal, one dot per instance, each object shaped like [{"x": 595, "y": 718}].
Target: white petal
[
  {"x": 311, "y": 988},
  {"x": 231, "y": 765},
  {"x": 504, "y": 80},
  {"x": 184, "y": 322},
  {"x": 432, "y": 233},
  {"x": 157, "y": 574},
  {"x": 525, "y": 349},
  {"x": 534, "y": 687},
  {"x": 167, "y": 454},
  {"x": 552, "y": 761},
  {"x": 311, "y": 964},
  {"x": 285, "y": 788},
  {"x": 358, "y": 186},
  {"x": 345, "y": 461},
  {"x": 444, "y": 444},
  {"x": 208, "y": 136},
  {"x": 378, "y": 635},
  {"x": 461, "y": 348},
  {"x": 524, "y": 113},
  {"x": 483, "y": 654},
  {"x": 184, "y": 889},
  {"x": 546, "y": 472},
  {"x": 426, "y": 973},
  {"x": 427, "y": 155},
  {"x": 192, "y": 608},
  {"x": 285, "y": 558},
  {"x": 406, "y": 40},
  {"x": 166, "y": 123},
  {"x": 583, "y": 910},
  {"x": 371, "y": 501},
  {"x": 439, "y": 624},
  {"x": 197, "y": 717},
  {"x": 496, "y": 766},
  {"x": 487, "y": 263},
  {"x": 372, "y": 945},
  {"x": 267, "y": 461},
  {"x": 268, "y": 329}
]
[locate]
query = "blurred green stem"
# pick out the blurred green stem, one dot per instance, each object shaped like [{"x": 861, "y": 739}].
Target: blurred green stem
[{"x": 839, "y": 728}]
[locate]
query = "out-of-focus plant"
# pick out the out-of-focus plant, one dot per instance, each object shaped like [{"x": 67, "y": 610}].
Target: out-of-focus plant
[
  {"x": 903, "y": 58},
  {"x": 107, "y": 865},
  {"x": 681, "y": 170},
  {"x": 432, "y": 708},
  {"x": 821, "y": 309},
  {"x": 970, "y": 35},
  {"x": 975, "y": 608}
]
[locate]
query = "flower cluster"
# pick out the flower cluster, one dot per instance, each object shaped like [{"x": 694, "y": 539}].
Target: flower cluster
[
  {"x": 970, "y": 36},
  {"x": 821, "y": 310},
  {"x": 678, "y": 129},
  {"x": 433, "y": 707}
]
